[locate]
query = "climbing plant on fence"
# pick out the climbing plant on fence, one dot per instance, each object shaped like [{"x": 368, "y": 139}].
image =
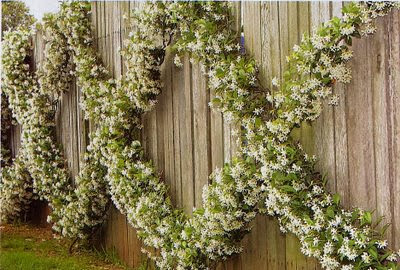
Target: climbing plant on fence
[{"x": 271, "y": 175}]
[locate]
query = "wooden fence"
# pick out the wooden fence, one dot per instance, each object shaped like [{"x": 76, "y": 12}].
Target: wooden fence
[{"x": 358, "y": 142}]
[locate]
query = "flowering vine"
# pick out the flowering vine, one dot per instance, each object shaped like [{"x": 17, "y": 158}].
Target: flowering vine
[
  {"x": 14, "y": 177},
  {"x": 6, "y": 123},
  {"x": 272, "y": 175}
]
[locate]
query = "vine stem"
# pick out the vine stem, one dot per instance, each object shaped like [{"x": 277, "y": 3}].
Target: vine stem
[{"x": 72, "y": 245}]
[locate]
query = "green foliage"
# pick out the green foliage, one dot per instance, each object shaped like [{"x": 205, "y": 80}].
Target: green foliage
[{"x": 15, "y": 14}]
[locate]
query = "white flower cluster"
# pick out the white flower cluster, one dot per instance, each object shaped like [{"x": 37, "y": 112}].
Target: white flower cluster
[
  {"x": 272, "y": 175},
  {"x": 288, "y": 178},
  {"x": 15, "y": 191},
  {"x": 15, "y": 184},
  {"x": 54, "y": 73},
  {"x": 34, "y": 112},
  {"x": 6, "y": 123},
  {"x": 135, "y": 188},
  {"x": 74, "y": 212}
]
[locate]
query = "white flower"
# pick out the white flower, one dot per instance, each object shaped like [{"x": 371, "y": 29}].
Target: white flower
[
  {"x": 382, "y": 244},
  {"x": 275, "y": 82},
  {"x": 328, "y": 248},
  {"x": 177, "y": 61},
  {"x": 365, "y": 257},
  {"x": 341, "y": 73},
  {"x": 392, "y": 257},
  {"x": 258, "y": 111},
  {"x": 334, "y": 100},
  {"x": 347, "y": 267},
  {"x": 347, "y": 30}
]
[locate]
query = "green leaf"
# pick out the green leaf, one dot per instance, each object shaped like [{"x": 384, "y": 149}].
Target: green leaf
[
  {"x": 367, "y": 217},
  {"x": 288, "y": 189},
  {"x": 336, "y": 199},
  {"x": 373, "y": 252},
  {"x": 258, "y": 122},
  {"x": 216, "y": 101},
  {"x": 330, "y": 212}
]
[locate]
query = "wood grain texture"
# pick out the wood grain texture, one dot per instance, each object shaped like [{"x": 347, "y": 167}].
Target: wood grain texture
[
  {"x": 271, "y": 67},
  {"x": 289, "y": 37},
  {"x": 166, "y": 101},
  {"x": 360, "y": 131},
  {"x": 255, "y": 243},
  {"x": 177, "y": 83},
  {"x": 394, "y": 131},
  {"x": 186, "y": 136},
  {"x": 340, "y": 127},
  {"x": 323, "y": 128},
  {"x": 378, "y": 49},
  {"x": 356, "y": 142},
  {"x": 201, "y": 128}
]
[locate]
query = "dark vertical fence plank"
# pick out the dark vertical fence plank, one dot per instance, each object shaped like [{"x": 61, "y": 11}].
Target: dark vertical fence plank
[
  {"x": 149, "y": 135},
  {"x": 82, "y": 128},
  {"x": 73, "y": 127},
  {"x": 15, "y": 135}
]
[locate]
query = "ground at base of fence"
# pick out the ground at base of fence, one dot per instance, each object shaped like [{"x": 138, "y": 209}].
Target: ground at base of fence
[{"x": 24, "y": 247}]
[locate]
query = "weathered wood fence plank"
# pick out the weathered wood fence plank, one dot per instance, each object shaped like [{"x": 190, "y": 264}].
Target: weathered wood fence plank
[{"x": 393, "y": 95}]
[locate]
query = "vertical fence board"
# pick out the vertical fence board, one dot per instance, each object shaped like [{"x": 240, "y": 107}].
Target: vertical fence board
[
  {"x": 327, "y": 154},
  {"x": 378, "y": 49},
  {"x": 254, "y": 255},
  {"x": 168, "y": 121},
  {"x": 359, "y": 125},
  {"x": 394, "y": 97},
  {"x": 341, "y": 143},
  {"x": 186, "y": 136},
  {"x": 234, "y": 129},
  {"x": 177, "y": 83},
  {"x": 200, "y": 132},
  {"x": 133, "y": 258},
  {"x": 276, "y": 246},
  {"x": 217, "y": 137},
  {"x": 289, "y": 33}
]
